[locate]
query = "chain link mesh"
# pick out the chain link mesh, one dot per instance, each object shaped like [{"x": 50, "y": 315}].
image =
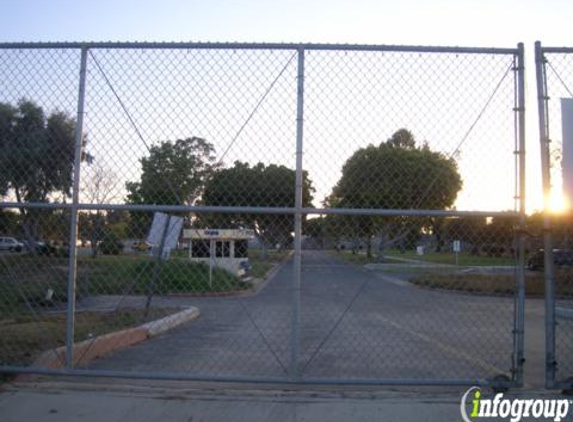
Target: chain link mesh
[{"x": 186, "y": 257}]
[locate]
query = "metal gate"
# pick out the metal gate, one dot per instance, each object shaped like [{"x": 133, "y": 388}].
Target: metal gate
[
  {"x": 554, "y": 78},
  {"x": 331, "y": 213}
]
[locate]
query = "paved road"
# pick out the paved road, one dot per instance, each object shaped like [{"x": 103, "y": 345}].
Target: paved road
[
  {"x": 66, "y": 402},
  {"x": 355, "y": 323}
]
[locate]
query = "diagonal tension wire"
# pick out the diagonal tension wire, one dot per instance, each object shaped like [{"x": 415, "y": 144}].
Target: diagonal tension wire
[
  {"x": 130, "y": 119},
  {"x": 483, "y": 110},
  {"x": 470, "y": 129},
  {"x": 233, "y": 140},
  {"x": 560, "y": 79},
  {"x": 147, "y": 146},
  {"x": 263, "y": 337},
  {"x": 257, "y": 106},
  {"x": 462, "y": 141},
  {"x": 337, "y": 323},
  {"x": 426, "y": 193}
]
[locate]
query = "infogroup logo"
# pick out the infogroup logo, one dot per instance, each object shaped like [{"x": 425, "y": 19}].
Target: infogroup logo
[{"x": 512, "y": 409}]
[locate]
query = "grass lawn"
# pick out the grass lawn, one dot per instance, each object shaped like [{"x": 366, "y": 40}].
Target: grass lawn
[
  {"x": 25, "y": 279},
  {"x": 134, "y": 275},
  {"x": 464, "y": 259},
  {"x": 502, "y": 284},
  {"x": 23, "y": 338},
  {"x": 393, "y": 256}
]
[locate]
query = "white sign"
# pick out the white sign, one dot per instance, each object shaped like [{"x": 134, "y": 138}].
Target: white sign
[
  {"x": 420, "y": 250},
  {"x": 218, "y": 234},
  {"x": 171, "y": 235},
  {"x": 457, "y": 246},
  {"x": 567, "y": 160}
]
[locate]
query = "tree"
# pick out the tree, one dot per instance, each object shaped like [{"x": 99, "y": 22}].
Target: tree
[
  {"x": 397, "y": 174},
  {"x": 174, "y": 173},
  {"x": 9, "y": 222},
  {"x": 258, "y": 186},
  {"x": 99, "y": 186},
  {"x": 500, "y": 235},
  {"x": 315, "y": 230},
  {"x": 36, "y": 157}
]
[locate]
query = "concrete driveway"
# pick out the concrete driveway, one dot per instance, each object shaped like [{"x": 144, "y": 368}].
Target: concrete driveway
[{"x": 355, "y": 323}]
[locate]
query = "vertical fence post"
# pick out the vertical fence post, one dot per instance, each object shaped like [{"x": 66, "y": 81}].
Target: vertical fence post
[
  {"x": 72, "y": 263},
  {"x": 297, "y": 278},
  {"x": 520, "y": 311},
  {"x": 542, "y": 98}
]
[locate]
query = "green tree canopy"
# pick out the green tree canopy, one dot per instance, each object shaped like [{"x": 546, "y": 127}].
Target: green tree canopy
[
  {"x": 36, "y": 151},
  {"x": 257, "y": 186},
  {"x": 397, "y": 174},
  {"x": 36, "y": 156},
  {"x": 174, "y": 173}
]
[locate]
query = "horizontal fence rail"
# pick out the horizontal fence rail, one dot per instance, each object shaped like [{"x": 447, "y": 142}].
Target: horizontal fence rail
[
  {"x": 266, "y": 210},
  {"x": 258, "y": 46}
]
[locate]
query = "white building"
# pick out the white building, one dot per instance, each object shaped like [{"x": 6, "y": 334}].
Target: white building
[{"x": 223, "y": 248}]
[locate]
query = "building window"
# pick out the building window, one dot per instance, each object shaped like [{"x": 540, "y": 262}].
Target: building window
[
  {"x": 241, "y": 248},
  {"x": 223, "y": 249},
  {"x": 200, "y": 248}
]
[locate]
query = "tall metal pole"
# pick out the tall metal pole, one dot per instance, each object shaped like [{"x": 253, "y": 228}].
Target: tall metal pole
[
  {"x": 72, "y": 263},
  {"x": 520, "y": 311},
  {"x": 542, "y": 98},
  {"x": 297, "y": 278}
]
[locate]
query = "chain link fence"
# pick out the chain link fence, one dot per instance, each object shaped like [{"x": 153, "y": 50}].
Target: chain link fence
[
  {"x": 554, "y": 83},
  {"x": 307, "y": 213}
]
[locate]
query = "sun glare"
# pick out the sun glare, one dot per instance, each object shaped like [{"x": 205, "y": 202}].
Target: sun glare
[{"x": 558, "y": 204}]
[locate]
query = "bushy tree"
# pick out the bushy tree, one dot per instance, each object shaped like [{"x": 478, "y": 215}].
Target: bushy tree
[
  {"x": 36, "y": 157},
  {"x": 396, "y": 174},
  {"x": 257, "y": 186},
  {"x": 174, "y": 173}
]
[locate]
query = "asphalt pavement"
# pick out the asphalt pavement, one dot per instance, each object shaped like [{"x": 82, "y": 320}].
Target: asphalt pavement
[{"x": 354, "y": 324}]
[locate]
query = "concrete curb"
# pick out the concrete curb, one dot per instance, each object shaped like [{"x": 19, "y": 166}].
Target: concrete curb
[
  {"x": 160, "y": 326},
  {"x": 91, "y": 349}
]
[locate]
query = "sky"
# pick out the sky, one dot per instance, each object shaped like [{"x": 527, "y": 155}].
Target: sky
[
  {"x": 441, "y": 22},
  {"x": 474, "y": 23}
]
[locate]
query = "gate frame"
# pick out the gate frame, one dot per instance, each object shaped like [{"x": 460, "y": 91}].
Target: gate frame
[{"x": 298, "y": 212}]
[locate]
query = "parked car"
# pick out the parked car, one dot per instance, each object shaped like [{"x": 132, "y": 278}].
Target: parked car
[
  {"x": 110, "y": 246},
  {"x": 39, "y": 247},
  {"x": 10, "y": 244},
  {"x": 561, "y": 258},
  {"x": 141, "y": 246}
]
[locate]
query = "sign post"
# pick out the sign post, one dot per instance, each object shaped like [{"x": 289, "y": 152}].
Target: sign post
[
  {"x": 164, "y": 235},
  {"x": 457, "y": 246}
]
